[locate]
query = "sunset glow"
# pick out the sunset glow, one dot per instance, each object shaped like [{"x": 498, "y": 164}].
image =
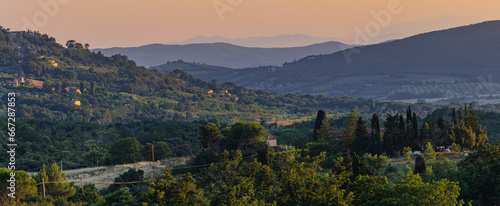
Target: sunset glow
[{"x": 131, "y": 23}]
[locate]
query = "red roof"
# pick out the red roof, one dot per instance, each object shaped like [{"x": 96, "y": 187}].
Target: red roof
[{"x": 277, "y": 149}]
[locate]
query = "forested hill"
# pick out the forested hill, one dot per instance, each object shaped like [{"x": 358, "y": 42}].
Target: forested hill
[
  {"x": 462, "y": 61},
  {"x": 114, "y": 89}
]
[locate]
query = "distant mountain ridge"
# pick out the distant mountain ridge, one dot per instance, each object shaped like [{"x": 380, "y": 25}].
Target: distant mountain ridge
[
  {"x": 392, "y": 32},
  {"x": 284, "y": 40},
  {"x": 457, "y": 62},
  {"x": 222, "y": 54}
]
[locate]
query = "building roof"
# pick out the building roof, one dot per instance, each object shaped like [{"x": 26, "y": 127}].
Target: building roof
[
  {"x": 270, "y": 137},
  {"x": 278, "y": 149}
]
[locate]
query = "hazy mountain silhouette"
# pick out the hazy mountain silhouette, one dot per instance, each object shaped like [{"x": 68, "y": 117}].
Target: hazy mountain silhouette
[
  {"x": 221, "y": 54},
  {"x": 447, "y": 63}
]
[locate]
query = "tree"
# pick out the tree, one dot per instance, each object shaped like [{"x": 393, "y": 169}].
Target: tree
[
  {"x": 93, "y": 157},
  {"x": 321, "y": 127},
  {"x": 405, "y": 133},
  {"x": 374, "y": 145},
  {"x": 391, "y": 134},
  {"x": 91, "y": 195},
  {"x": 363, "y": 186},
  {"x": 243, "y": 136},
  {"x": 172, "y": 191},
  {"x": 23, "y": 184},
  {"x": 416, "y": 136},
  {"x": 362, "y": 140},
  {"x": 132, "y": 175},
  {"x": 64, "y": 85},
  {"x": 57, "y": 88},
  {"x": 425, "y": 134},
  {"x": 407, "y": 153},
  {"x": 350, "y": 129},
  {"x": 92, "y": 88},
  {"x": 479, "y": 176},
  {"x": 162, "y": 150},
  {"x": 125, "y": 151},
  {"x": 57, "y": 185},
  {"x": 439, "y": 135},
  {"x": 82, "y": 87},
  {"x": 429, "y": 151},
  {"x": 147, "y": 152},
  {"x": 209, "y": 134},
  {"x": 119, "y": 196},
  {"x": 70, "y": 44},
  {"x": 264, "y": 155},
  {"x": 413, "y": 191},
  {"x": 420, "y": 166}
]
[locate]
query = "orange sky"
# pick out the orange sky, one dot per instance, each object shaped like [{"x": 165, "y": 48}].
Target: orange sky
[{"x": 107, "y": 23}]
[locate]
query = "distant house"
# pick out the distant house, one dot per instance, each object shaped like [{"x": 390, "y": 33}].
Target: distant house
[
  {"x": 53, "y": 63},
  {"x": 14, "y": 83},
  {"x": 211, "y": 91},
  {"x": 76, "y": 102},
  {"x": 73, "y": 90},
  {"x": 17, "y": 81},
  {"x": 272, "y": 141}
]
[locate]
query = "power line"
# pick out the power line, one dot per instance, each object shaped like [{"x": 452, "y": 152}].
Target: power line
[{"x": 98, "y": 182}]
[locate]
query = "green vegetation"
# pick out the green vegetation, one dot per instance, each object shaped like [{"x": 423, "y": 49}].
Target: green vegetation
[
  {"x": 247, "y": 172},
  {"x": 116, "y": 90},
  {"x": 125, "y": 117}
]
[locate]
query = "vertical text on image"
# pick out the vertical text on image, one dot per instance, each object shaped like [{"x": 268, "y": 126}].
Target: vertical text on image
[{"x": 11, "y": 142}]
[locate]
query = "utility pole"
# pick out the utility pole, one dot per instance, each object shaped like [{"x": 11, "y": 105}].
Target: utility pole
[
  {"x": 43, "y": 183},
  {"x": 61, "y": 166},
  {"x": 81, "y": 182},
  {"x": 153, "y": 152}
]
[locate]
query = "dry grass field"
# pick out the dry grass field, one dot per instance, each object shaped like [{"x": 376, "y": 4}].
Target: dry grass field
[{"x": 108, "y": 173}]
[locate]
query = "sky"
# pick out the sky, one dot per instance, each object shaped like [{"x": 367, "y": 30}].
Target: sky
[{"x": 122, "y": 23}]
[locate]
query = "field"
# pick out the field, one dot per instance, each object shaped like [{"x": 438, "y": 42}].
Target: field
[{"x": 103, "y": 176}]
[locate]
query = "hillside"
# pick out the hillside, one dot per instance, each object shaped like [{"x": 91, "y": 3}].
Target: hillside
[
  {"x": 115, "y": 89},
  {"x": 453, "y": 63},
  {"x": 221, "y": 54}
]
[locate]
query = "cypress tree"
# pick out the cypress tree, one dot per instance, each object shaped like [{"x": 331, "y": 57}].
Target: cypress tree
[
  {"x": 404, "y": 133},
  {"x": 321, "y": 127},
  {"x": 389, "y": 141},
  {"x": 362, "y": 141},
  {"x": 408, "y": 115},
  {"x": 82, "y": 87},
  {"x": 375, "y": 143},
  {"x": 415, "y": 128},
  {"x": 420, "y": 165},
  {"x": 425, "y": 134},
  {"x": 350, "y": 129}
]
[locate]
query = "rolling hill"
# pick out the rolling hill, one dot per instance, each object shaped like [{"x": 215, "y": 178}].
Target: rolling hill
[
  {"x": 453, "y": 63},
  {"x": 115, "y": 89},
  {"x": 221, "y": 54}
]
